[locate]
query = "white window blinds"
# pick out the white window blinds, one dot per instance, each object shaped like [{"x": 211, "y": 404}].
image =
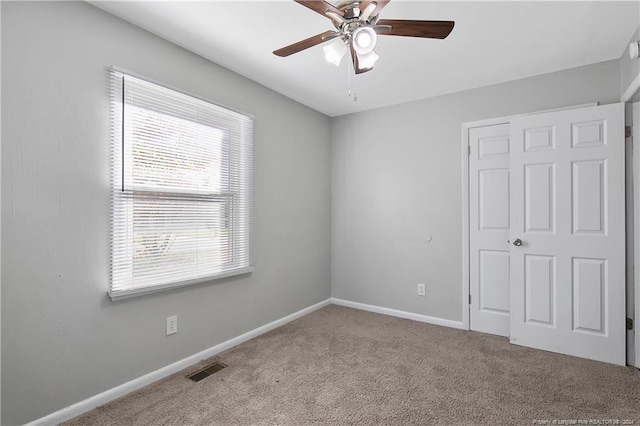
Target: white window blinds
[{"x": 181, "y": 189}]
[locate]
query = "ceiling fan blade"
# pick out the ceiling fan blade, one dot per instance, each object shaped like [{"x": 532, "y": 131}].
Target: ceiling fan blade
[
  {"x": 380, "y": 4},
  {"x": 409, "y": 28},
  {"x": 305, "y": 44},
  {"x": 320, "y": 6}
]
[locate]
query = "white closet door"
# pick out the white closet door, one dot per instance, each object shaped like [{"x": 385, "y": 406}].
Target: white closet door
[
  {"x": 489, "y": 229},
  {"x": 567, "y": 278}
]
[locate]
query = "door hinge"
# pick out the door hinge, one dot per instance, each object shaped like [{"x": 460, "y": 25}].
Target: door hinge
[
  {"x": 629, "y": 324},
  {"x": 469, "y": 299},
  {"x": 627, "y": 131},
  {"x": 468, "y": 150}
]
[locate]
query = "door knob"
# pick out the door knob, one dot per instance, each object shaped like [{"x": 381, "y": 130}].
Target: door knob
[{"x": 517, "y": 242}]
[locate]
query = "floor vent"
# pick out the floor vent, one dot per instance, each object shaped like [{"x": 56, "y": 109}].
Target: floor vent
[{"x": 207, "y": 371}]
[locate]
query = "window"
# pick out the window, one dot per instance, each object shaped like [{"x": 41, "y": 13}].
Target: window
[{"x": 181, "y": 189}]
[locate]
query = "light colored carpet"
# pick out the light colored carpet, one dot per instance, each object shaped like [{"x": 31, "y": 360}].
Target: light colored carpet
[{"x": 344, "y": 366}]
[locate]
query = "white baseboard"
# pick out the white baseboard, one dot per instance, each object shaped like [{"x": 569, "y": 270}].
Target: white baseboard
[
  {"x": 89, "y": 404},
  {"x": 399, "y": 314},
  {"x": 107, "y": 396}
]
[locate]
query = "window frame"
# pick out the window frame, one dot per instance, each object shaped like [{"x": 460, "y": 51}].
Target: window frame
[{"x": 120, "y": 191}]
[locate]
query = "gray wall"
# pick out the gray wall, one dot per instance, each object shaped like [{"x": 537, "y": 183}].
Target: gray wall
[
  {"x": 63, "y": 340},
  {"x": 629, "y": 68},
  {"x": 397, "y": 178}
]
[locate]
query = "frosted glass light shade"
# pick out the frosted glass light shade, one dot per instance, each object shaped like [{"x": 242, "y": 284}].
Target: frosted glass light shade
[
  {"x": 367, "y": 11},
  {"x": 364, "y": 40},
  {"x": 335, "y": 51},
  {"x": 366, "y": 61}
]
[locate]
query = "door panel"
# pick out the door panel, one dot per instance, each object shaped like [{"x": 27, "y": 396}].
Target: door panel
[
  {"x": 493, "y": 193},
  {"x": 539, "y": 184},
  {"x": 539, "y": 139},
  {"x": 588, "y": 196},
  {"x": 539, "y": 282},
  {"x": 489, "y": 180},
  {"x": 494, "y": 281},
  {"x": 567, "y": 279},
  {"x": 589, "y": 289}
]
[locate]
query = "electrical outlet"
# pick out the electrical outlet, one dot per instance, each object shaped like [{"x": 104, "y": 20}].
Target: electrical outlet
[
  {"x": 422, "y": 290},
  {"x": 172, "y": 325}
]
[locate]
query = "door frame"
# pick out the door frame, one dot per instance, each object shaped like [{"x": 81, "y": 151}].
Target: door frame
[
  {"x": 635, "y": 169},
  {"x": 630, "y": 96},
  {"x": 466, "y": 277}
]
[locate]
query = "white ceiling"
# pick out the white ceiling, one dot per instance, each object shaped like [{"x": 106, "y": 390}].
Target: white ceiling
[{"x": 492, "y": 42}]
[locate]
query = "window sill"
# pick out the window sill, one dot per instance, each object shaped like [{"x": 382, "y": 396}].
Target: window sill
[{"x": 126, "y": 294}]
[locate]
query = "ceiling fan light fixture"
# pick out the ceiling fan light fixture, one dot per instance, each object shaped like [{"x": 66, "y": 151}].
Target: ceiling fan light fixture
[
  {"x": 366, "y": 13},
  {"x": 366, "y": 61},
  {"x": 357, "y": 26},
  {"x": 335, "y": 51},
  {"x": 364, "y": 40}
]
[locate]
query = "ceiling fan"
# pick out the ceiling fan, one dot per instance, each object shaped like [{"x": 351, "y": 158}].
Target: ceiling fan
[{"x": 357, "y": 27}]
